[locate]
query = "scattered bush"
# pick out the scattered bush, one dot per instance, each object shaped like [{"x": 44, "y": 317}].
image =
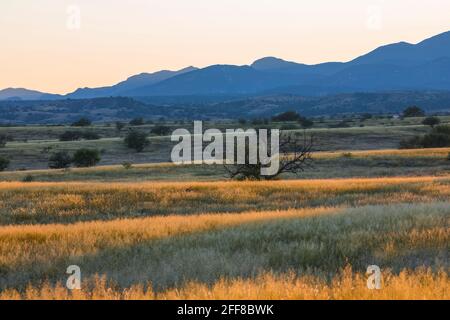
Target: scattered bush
[
  {"x": 4, "y": 163},
  {"x": 411, "y": 143},
  {"x": 413, "y": 112},
  {"x": 70, "y": 136},
  {"x": 136, "y": 140},
  {"x": 127, "y": 165},
  {"x": 439, "y": 137},
  {"x": 83, "y": 122},
  {"x": 60, "y": 160},
  {"x": 306, "y": 123},
  {"x": 86, "y": 158},
  {"x": 75, "y": 135},
  {"x": 431, "y": 121},
  {"x": 161, "y": 130},
  {"x": 28, "y": 178},
  {"x": 347, "y": 155}
]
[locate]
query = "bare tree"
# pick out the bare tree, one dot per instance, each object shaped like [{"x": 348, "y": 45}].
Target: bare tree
[{"x": 295, "y": 155}]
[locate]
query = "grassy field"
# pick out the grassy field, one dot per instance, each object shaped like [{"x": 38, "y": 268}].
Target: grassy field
[{"x": 162, "y": 231}]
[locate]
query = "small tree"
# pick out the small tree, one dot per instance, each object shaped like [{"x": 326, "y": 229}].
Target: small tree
[
  {"x": 431, "y": 121},
  {"x": 294, "y": 156},
  {"x": 4, "y": 163},
  {"x": 136, "y": 140},
  {"x": 160, "y": 130},
  {"x": 82, "y": 122},
  {"x": 137, "y": 122},
  {"x": 86, "y": 157},
  {"x": 70, "y": 136},
  {"x": 306, "y": 123},
  {"x": 413, "y": 112},
  {"x": 60, "y": 160}
]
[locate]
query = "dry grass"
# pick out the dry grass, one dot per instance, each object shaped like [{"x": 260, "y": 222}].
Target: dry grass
[
  {"x": 408, "y": 153},
  {"x": 52, "y": 202},
  {"x": 169, "y": 252},
  {"x": 408, "y": 285}
]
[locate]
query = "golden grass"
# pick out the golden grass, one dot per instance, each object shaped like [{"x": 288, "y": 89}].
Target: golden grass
[
  {"x": 58, "y": 202},
  {"x": 20, "y": 245},
  {"x": 408, "y": 153},
  {"x": 408, "y": 285},
  {"x": 170, "y": 251}
]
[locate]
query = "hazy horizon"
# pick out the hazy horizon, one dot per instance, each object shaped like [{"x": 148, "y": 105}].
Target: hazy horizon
[{"x": 47, "y": 48}]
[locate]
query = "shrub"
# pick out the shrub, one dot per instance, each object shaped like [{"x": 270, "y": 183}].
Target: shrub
[
  {"x": 448, "y": 157},
  {"x": 82, "y": 122},
  {"x": 70, "y": 136},
  {"x": 89, "y": 135},
  {"x": 431, "y": 121},
  {"x": 347, "y": 155},
  {"x": 59, "y": 160},
  {"x": 436, "y": 140},
  {"x": 86, "y": 157},
  {"x": 136, "y": 140},
  {"x": 306, "y": 123},
  {"x": 4, "y": 163},
  {"x": 160, "y": 130},
  {"x": 137, "y": 122},
  {"x": 127, "y": 165},
  {"x": 439, "y": 137},
  {"x": 413, "y": 112},
  {"x": 411, "y": 143},
  {"x": 28, "y": 178}
]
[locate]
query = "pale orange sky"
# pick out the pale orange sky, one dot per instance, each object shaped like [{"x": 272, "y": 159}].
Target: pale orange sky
[{"x": 42, "y": 48}]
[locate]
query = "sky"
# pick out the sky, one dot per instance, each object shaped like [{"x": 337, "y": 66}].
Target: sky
[{"x": 57, "y": 46}]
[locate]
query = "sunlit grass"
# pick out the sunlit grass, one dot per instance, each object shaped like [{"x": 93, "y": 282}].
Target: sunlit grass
[
  {"x": 408, "y": 285},
  {"x": 172, "y": 251},
  {"x": 53, "y": 202}
]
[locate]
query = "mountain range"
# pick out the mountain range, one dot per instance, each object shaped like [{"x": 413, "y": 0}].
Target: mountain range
[{"x": 398, "y": 66}]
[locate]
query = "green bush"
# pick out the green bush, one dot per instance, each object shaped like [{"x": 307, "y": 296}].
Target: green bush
[
  {"x": 70, "y": 136},
  {"x": 136, "y": 140},
  {"x": 28, "y": 178},
  {"x": 86, "y": 158},
  {"x": 60, "y": 160},
  {"x": 413, "y": 112},
  {"x": 4, "y": 163},
  {"x": 431, "y": 121},
  {"x": 83, "y": 122},
  {"x": 439, "y": 137},
  {"x": 161, "y": 130}
]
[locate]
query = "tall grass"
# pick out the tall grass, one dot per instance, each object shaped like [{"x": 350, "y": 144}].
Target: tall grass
[
  {"x": 33, "y": 203},
  {"x": 170, "y": 252},
  {"x": 408, "y": 285}
]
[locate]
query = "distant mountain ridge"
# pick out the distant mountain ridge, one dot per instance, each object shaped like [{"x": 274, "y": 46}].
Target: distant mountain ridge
[{"x": 398, "y": 66}]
